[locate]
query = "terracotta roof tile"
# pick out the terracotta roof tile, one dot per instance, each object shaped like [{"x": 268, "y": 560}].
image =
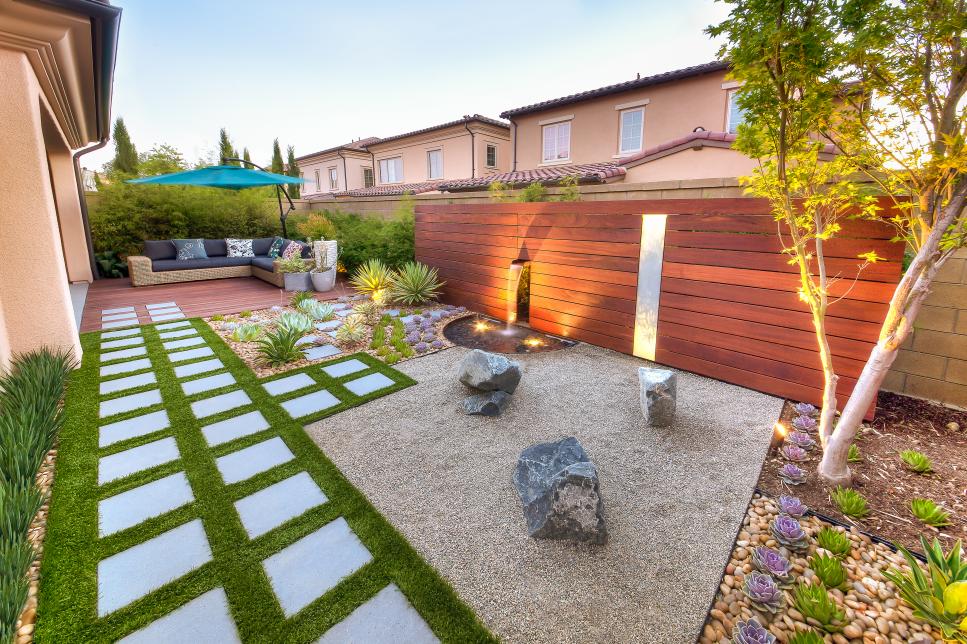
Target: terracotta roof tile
[
  {"x": 585, "y": 172},
  {"x": 466, "y": 119},
  {"x": 356, "y": 146},
  {"x": 392, "y": 189}
]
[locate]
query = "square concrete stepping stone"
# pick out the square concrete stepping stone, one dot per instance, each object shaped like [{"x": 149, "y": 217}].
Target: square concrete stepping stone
[
  {"x": 164, "y": 311},
  {"x": 310, "y": 403},
  {"x": 153, "y": 499},
  {"x": 208, "y": 383},
  {"x": 120, "y": 334},
  {"x": 119, "y": 316},
  {"x": 169, "y": 316},
  {"x": 180, "y": 333},
  {"x": 217, "y": 404},
  {"x": 269, "y": 508},
  {"x": 345, "y": 368},
  {"x": 135, "y": 572},
  {"x": 185, "y": 342},
  {"x": 344, "y": 312},
  {"x": 316, "y": 353},
  {"x": 368, "y": 384},
  {"x": 160, "y": 305},
  {"x": 204, "y": 619},
  {"x": 137, "y": 459},
  {"x": 129, "y": 403},
  {"x": 314, "y": 564},
  {"x": 137, "y": 426},
  {"x": 123, "y": 309},
  {"x": 123, "y": 354},
  {"x": 190, "y": 354},
  {"x": 130, "y": 382},
  {"x": 393, "y": 313},
  {"x": 228, "y": 430},
  {"x": 330, "y": 325},
  {"x": 194, "y": 368},
  {"x": 387, "y": 618},
  {"x": 248, "y": 462},
  {"x": 173, "y": 325},
  {"x": 289, "y": 383},
  {"x": 122, "y": 342},
  {"x": 332, "y": 334},
  {"x": 125, "y": 367},
  {"x": 118, "y": 324},
  {"x": 309, "y": 339},
  {"x": 339, "y": 306},
  {"x": 409, "y": 318}
]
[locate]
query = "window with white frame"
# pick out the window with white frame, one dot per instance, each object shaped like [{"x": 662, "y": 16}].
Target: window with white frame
[
  {"x": 736, "y": 115},
  {"x": 491, "y": 155},
  {"x": 368, "y": 178},
  {"x": 391, "y": 170},
  {"x": 632, "y": 131},
  {"x": 318, "y": 183},
  {"x": 557, "y": 142},
  {"x": 333, "y": 179},
  {"x": 434, "y": 164}
]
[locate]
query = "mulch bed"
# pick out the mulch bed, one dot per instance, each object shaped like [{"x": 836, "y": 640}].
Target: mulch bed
[{"x": 901, "y": 423}]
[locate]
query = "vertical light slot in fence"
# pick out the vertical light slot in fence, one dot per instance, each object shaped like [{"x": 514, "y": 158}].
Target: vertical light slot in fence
[{"x": 649, "y": 285}]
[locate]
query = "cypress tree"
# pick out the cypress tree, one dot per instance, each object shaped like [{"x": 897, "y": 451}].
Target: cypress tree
[
  {"x": 125, "y": 155},
  {"x": 245, "y": 155},
  {"x": 225, "y": 149},
  {"x": 292, "y": 171},
  {"x": 277, "y": 165}
]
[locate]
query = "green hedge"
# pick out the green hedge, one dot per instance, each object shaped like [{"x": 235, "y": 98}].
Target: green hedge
[{"x": 364, "y": 238}]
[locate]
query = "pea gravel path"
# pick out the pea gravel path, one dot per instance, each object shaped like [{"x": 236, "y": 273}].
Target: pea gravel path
[{"x": 674, "y": 498}]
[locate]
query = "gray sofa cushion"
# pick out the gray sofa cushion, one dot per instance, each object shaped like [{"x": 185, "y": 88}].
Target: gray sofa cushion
[
  {"x": 265, "y": 263},
  {"x": 216, "y": 247},
  {"x": 159, "y": 249},
  {"x": 260, "y": 246},
  {"x": 190, "y": 264}
]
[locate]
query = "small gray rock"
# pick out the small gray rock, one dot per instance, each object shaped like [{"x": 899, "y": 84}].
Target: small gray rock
[
  {"x": 659, "y": 389},
  {"x": 489, "y": 372},
  {"x": 558, "y": 485},
  {"x": 486, "y": 404}
]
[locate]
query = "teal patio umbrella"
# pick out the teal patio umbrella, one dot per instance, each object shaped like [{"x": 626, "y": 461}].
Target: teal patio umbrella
[{"x": 230, "y": 177}]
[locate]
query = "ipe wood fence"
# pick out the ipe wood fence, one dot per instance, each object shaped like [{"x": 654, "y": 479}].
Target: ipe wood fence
[{"x": 728, "y": 305}]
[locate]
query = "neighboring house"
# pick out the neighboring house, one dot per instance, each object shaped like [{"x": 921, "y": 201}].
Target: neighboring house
[
  {"x": 57, "y": 66},
  {"x": 344, "y": 167}
]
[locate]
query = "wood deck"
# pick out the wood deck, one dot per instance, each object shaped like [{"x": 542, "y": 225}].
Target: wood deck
[{"x": 196, "y": 299}]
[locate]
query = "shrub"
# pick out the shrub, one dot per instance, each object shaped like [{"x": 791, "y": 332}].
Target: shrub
[
  {"x": 364, "y": 238},
  {"x": 570, "y": 191},
  {"x": 293, "y": 265},
  {"x": 245, "y": 314},
  {"x": 498, "y": 191},
  {"x": 829, "y": 570},
  {"x": 279, "y": 347},
  {"x": 533, "y": 192},
  {"x": 372, "y": 278},
  {"x": 916, "y": 461},
  {"x": 850, "y": 502},
  {"x": 930, "y": 513},
  {"x": 299, "y": 323},
  {"x": 218, "y": 317},
  {"x": 317, "y": 226},
  {"x": 301, "y": 296},
  {"x": 246, "y": 332},
  {"x": 352, "y": 332},
  {"x": 834, "y": 541},
  {"x": 814, "y": 602},
  {"x": 110, "y": 264},
  {"x": 415, "y": 283}
]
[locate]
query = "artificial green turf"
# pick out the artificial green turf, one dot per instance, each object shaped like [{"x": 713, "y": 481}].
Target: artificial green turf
[{"x": 67, "y": 610}]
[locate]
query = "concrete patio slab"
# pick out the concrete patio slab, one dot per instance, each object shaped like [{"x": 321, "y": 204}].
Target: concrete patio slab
[
  {"x": 137, "y": 459},
  {"x": 387, "y": 618},
  {"x": 119, "y": 324},
  {"x": 345, "y": 368},
  {"x": 269, "y": 508},
  {"x": 206, "y": 618},
  {"x": 208, "y": 383},
  {"x": 133, "y": 573},
  {"x": 368, "y": 384},
  {"x": 655, "y": 578},
  {"x": 172, "y": 325},
  {"x": 248, "y": 462},
  {"x": 128, "y": 382},
  {"x": 184, "y": 342},
  {"x": 125, "y": 367},
  {"x": 132, "y": 427},
  {"x": 122, "y": 342},
  {"x": 121, "y": 334},
  {"x": 190, "y": 354},
  {"x": 195, "y": 368},
  {"x": 317, "y": 353},
  {"x": 217, "y": 404},
  {"x": 123, "y": 354},
  {"x": 154, "y": 313},
  {"x": 312, "y": 565},
  {"x": 228, "y": 430},
  {"x": 153, "y": 499},
  {"x": 289, "y": 383},
  {"x": 129, "y": 403},
  {"x": 310, "y": 403},
  {"x": 178, "y": 333},
  {"x": 169, "y": 316}
]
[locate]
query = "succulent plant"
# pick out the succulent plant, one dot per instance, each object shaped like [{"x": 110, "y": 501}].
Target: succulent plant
[
  {"x": 415, "y": 283},
  {"x": 352, "y": 331},
  {"x": 804, "y": 423},
  {"x": 245, "y": 314},
  {"x": 930, "y": 513},
  {"x": 916, "y": 461},
  {"x": 246, "y": 332},
  {"x": 850, "y": 502},
  {"x": 768, "y": 561},
  {"x": 279, "y": 347},
  {"x": 319, "y": 311},
  {"x": 421, "y": 347},
  {"x": 834, "y": 541},
  {"x": 806, "y": 637},
  {"x": 413, "y": 338},
  {"x": 792, "y": 506},
  {"x": 763, "y": 593},
  {"x": 229, "y": 326},
  {"x": 301, "y": 296},
  {"x": 276, "y": 308},
  {"x": 371, "y": 312},
  {"x": 437, "y": 344},
  {"x": 805, "y": 409},
  {"x": 295, "y": 322},
  {"x": 789, "y": 533},
  {"x": 829, "y": 570},
  {"x": 793, "y": 453},
  {"x": 801, "y": 440},
  {"x": 372, "y": 278},
  {"x": 392, "y": 358},
  {"x": 792, "y": 474},
  {"x": 814, "y": 602},
  {"x": 854, "y": 456},
  {"x": 751, "y": 632}
]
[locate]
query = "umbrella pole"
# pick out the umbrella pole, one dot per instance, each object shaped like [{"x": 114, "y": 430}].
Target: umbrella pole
[{"x": 278, "y": 193}]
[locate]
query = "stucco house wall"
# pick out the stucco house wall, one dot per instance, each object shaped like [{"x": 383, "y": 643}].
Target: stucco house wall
[
  {"x": 701, "y": 163},
  {"x": 354, "y": 164}
]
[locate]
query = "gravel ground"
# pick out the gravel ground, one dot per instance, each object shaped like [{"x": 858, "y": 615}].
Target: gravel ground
[{"x": 674, "y": 498}]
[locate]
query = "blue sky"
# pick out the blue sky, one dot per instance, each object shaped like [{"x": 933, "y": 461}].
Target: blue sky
[{"x": 317, "y": 74}]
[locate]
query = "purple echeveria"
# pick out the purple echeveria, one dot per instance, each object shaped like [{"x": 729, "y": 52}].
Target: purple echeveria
[
  {"x": 422, "y": 347},
  {"x": 805, "y": 409},
  {"x": 792, "y": 506},
  {"x": 768, "y": 561},
  {"x": 789, "y": 533},
  {"x": 751, "y": 632},
  {"x": 801, "y": 439},
  {"x": 792, "y": 474},
  {"x": 426, "y": 324},
  {"x": 460, "y": 309},
  {"x": 793, "y": 453},
  {"x": 804, "y": 423},
  {"x": 413, "y": 338},
  {"x": 437, "y": 344},
  {"x": 763, "y": 592}
]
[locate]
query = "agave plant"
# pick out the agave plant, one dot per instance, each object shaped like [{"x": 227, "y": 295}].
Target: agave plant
[
  {"x": 318, "y": 311},
  {"x": 834, "y": 541},
  {"x": 279, "y": 347},
  {"x": 769, "y": 562},
  {"x": 415, "y": 283},
  {"x": 829, "y": 570},
  {"x": 789, "y": 533},
  {"x": 296, "y": 322},
  {"x": 751, "y": 632},
  {"x": 301, "y": 296},
  {"x": 801, "y": 440},
  {"x": 793, "y": 453},
  {"x": 371, "y": 312},
  {"x": 246, "y": 332},
  {"x": 813, "y": 601},
  {"x": 792, "y": 506},
  {"x": 805, "y": 409},
  {"x": 806, "y": 637},
  {"x": 850, "y": 502},
  {"x": 804, "y": 423},
  {"x": 916, "y": 461},
  {"x": 372, "y": 278},
  {"x": 763, "y": 593},
  {"x": 352, "y": 332},
  {"x": 792, "y": 474},
  {"x": 930, "y": 513}
]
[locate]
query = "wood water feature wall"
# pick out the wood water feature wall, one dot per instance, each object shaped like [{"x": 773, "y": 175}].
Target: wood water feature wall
[{"x": 696, "y": 284}]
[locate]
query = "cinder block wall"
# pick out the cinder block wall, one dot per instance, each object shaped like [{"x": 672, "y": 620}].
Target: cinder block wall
[{"x": 933, "y": 363}]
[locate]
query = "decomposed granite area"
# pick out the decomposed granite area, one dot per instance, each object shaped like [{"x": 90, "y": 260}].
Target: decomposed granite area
[{"x": 674, "y": 497}]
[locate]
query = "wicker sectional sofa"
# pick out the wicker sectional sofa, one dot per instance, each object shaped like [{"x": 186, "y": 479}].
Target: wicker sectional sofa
[{"x": 159, "y": 265}]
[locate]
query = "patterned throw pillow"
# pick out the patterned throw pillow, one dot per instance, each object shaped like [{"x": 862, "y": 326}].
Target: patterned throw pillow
[
  {"x": 190, "y": 248},
  {"x": 276, "y": 248},
  {"x": 240, "y": 248},
  {"x": 294, "y": 249}
]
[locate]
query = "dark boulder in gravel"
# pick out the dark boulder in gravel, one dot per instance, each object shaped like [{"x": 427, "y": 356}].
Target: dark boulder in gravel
[
  {"x": 489, "y": 372},
  {"x": 486, "y": 404},
  {"x": 558, "y": 485}
]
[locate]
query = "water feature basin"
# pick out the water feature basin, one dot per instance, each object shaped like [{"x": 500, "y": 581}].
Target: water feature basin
[{"x": 488, "y": 334}]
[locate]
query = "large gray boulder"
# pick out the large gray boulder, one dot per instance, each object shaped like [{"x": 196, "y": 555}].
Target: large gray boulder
[
  {"x": 489, "y": 372},
  {"x": 558, "y": 485},
  {"x": 659, "y": 390},
  {"x": 490, "y": 403}
]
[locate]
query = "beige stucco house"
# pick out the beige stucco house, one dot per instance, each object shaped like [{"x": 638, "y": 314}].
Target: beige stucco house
[
  {"x": 344, "y": 167},
  {"x": 57, "y": 71}
]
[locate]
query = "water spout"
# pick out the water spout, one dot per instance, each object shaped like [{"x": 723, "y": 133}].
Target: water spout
[{"x": 513, "y": 280}]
